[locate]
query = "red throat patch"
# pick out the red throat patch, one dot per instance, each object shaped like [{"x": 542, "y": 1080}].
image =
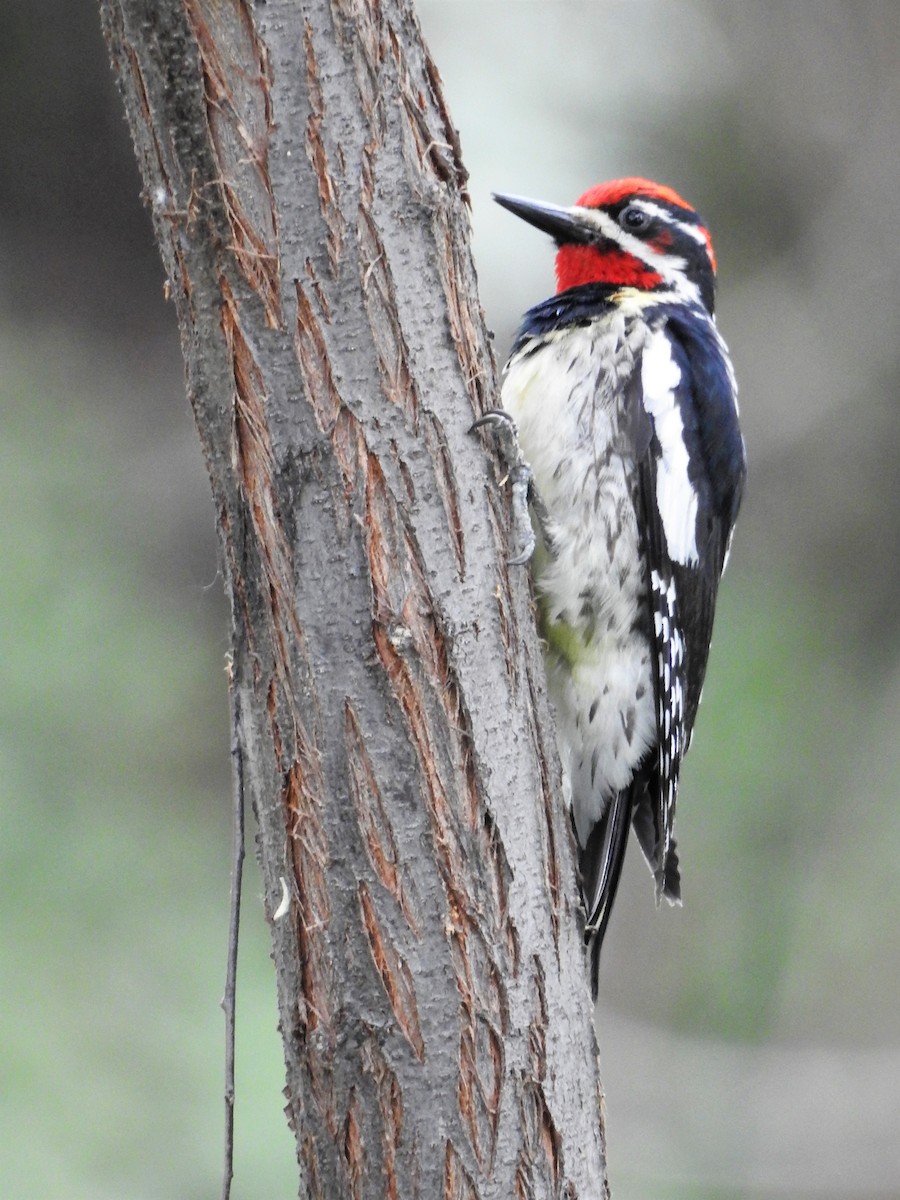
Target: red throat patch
[{"x": 576, "y": 265}]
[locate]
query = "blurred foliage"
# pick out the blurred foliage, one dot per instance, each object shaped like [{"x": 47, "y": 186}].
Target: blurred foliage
[
  {"x": 792, "y": 719},
  {"x": 114, "y": 838},
  {"x": 737, "y": 1032}
]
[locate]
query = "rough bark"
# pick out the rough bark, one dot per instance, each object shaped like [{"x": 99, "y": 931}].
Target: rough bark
[{"x": 309, "y": 198}]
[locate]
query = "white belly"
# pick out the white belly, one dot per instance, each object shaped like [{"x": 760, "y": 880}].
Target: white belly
[{"x": 574, "y": 431}]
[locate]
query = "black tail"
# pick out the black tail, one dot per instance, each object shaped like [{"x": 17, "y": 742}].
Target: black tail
[
  {"x": 644, "y": 817},
  {"x": 601, "y": 869}
]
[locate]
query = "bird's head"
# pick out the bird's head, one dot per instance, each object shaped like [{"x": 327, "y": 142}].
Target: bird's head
[{"x": 629, "y": 233}]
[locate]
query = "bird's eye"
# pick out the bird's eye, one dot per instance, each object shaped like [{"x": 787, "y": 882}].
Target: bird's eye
[{"x": 633, "y": 218}]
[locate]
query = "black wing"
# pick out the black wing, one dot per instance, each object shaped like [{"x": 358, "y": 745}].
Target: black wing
[{"x": 691, "y": 470}]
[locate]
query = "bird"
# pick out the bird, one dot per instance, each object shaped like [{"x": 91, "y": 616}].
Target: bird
[{"x": 619, "y": 421}]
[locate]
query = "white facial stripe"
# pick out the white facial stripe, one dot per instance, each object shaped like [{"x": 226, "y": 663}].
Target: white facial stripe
[
  {"x": 676, "y": 499},
  {"x": 614, "y": 232},
  {"x": 610, "y": 229},
  {"x": 692, "y": 231},
  {"x": 669, "y": 266}
]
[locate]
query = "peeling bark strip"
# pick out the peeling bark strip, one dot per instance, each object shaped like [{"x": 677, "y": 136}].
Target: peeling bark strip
[
  {"x": 237, "y": 88},
  {"x": 395, "y": 975},
  {"x": 375, "y": 822},
  {"x": 309, "y": 199}
]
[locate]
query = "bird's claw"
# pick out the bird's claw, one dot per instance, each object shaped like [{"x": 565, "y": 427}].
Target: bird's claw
[
  {"x": 520, "y": 476},
  {"x": 504, "y": 432}
]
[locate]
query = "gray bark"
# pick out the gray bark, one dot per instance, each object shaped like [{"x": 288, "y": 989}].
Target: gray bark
[{"x": 309, "y": 199}]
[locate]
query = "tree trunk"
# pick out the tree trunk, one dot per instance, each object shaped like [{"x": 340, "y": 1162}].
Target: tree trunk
[{"x": 309, "y": 200}]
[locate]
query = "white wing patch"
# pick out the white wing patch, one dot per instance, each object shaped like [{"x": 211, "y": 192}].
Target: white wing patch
[{"x": 675, "y": 496}]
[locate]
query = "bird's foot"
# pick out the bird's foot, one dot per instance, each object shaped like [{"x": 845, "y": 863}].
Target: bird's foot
[{"x": 520, "y": 477}]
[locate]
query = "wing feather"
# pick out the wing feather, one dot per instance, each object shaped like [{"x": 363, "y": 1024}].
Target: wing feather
[{"x": 688, "y": 511}]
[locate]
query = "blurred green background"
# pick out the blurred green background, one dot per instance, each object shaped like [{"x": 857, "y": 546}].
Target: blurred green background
[{"x": 750, "y": 1041}]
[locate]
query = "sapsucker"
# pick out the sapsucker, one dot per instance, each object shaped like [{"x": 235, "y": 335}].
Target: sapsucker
[{"x": 623, "y": 396}]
